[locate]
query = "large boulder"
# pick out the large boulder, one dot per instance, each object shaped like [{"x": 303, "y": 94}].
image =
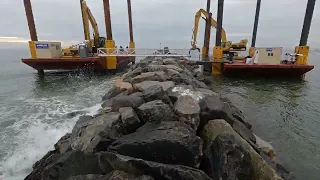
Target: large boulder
[
  {"x": 146, "y": 84},
  {"x": 155, "y": 111},
  {"x": 225, "y": 159},
  {"x": 64, "y": 144},
  {"x": 156, "y": 170},
  {"x": 133, "y": 100},
  {"x": 165, "y": 142},
  {"x": 66, "y": 165},
  {"x": 156, "y": 92},
  {"x": 129, "y": 120},
  {"x": 114, "y": 175},
  {"x": 188, "y": 111},
  {"x": 100, "y": 134},
  {"x": 81, "y": 124},
  {"x": 214, "y": 128},
  {"x": 182, "y": 90},
  {"x": 150, "y": 76}
]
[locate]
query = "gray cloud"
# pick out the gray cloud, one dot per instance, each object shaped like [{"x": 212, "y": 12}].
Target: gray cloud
[{"x": 166, "y": 21}]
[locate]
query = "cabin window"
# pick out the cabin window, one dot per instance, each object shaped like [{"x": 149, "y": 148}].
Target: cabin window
[{"x": 270, "y": 54}]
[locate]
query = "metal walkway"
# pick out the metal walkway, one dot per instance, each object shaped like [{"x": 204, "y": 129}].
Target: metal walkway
[{"x": 104, "y": 52}]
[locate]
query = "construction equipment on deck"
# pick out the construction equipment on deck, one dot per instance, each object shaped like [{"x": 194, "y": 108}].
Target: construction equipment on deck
[
  {"x": 93, "y": 44},
  {"x": 227, "y": 46}
]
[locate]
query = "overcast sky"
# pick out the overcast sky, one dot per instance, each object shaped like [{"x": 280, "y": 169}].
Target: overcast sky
[{"x": 169, "y": 22}]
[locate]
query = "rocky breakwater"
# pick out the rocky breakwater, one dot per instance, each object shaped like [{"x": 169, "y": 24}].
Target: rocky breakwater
[{"x": 161, "y": 121}]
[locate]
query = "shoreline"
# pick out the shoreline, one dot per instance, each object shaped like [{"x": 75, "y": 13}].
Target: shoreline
[{"x": 117, "y": 141}]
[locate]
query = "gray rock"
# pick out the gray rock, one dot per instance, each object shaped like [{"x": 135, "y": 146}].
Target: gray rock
[
  {"x": 89, "y": 177},
  {"x": 211, "y": 108},
  {"x": 114, "y": 175},
  {"x": 129, "y": 119},
  {"x": 170, "y": 61},
  {"x": 121, "y": 175},
  {"x": 150, "y": 76},
  {"x": 164, "y": 142},
  {"x": 81, "y": 124},
  {"x": 225, "y": 159},
  {"x": 133, "y": 100},
  {"x": 261, "y": 169},
  {"x": 183, "y": 78},
  {"x": 75, "y": 113},
  {"x": 155, "y": 111},
  {"x": 100, "y": 134},
  {"x": 113, "y": 92},
  {"x": 188, "y": 111},
  {"x": 232, "y": 111},
  {"x": 158, "y": 62},
  {"x": 245, "y": 133},
  {"x": 153, "y": 169},
  {"x": 146, "y": 84},
  {"x": 66, "y": 165},
  {"x": 64, "y": 144},
  {"x": 156, "y": 93}
]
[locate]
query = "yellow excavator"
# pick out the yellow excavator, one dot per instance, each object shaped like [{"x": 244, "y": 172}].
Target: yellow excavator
[
  {"x": 227, "y": 46},
  {"x": 96, "y": 42}
]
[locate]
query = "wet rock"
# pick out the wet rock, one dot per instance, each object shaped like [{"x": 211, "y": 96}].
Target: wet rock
[
  {"x": 233, "y": 112},
  {"x": 64, "y": 144},
  {"x": 133, "y": 100},
  {"x": 156, "y": 170},
  {"x": 183, "y": 78},
  {"x": 164, "y": 142},
  {"x": 225, "y": 159},
  {"x": 188, "y": 111},
  {"x": 114, "y": 91},
  {"x": 67, "y": 165},
  {"x": 114, "y": 175},
  {"x": 211, "y": 108},
  {"x": 155, "y": 111},
  {"x": 121, "y": 175},
  {"x": 129, "y": 120},
  {"x": 100, "y": 134},
  {"x": 89, "y": 177},
  {"x": 264, "y": 147},
  {"x": 156, "y": 93},
  {"x": 81, "y": 124},
  {"x": 75, "y": 113},
  {"x": 146, "y": 84},
  {"x": 261, "y": 169},
  {"x": 245, "y": 133},
  {"x": 150, "y": 76}
]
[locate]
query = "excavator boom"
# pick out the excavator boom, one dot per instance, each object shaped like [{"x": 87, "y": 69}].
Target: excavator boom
[
  {"x": 196, "y": 27},
  {"x": 88, "y": 16},
  {"x": 226, "y": 45}
]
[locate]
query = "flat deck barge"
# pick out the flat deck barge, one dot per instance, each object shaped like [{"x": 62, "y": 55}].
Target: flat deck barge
[
  {"x": 94, "y": 63},
  {"x": 265, "y": 70}
]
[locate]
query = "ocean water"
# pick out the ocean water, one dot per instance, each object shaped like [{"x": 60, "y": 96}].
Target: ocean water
[{"x": 33, "y": 112}]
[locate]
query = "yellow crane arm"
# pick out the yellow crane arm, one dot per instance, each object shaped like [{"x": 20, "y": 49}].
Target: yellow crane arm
[
  {"x": 196, "y": 27},
  {"x": 93, "y": 24},
  {"x": 85, "y": 20}
]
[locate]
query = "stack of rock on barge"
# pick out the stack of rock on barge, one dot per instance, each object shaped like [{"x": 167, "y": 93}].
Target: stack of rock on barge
[{"x": 161, "y": 121}]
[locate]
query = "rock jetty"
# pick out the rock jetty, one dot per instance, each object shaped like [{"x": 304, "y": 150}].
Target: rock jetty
[{"x": 161, "y": 121}]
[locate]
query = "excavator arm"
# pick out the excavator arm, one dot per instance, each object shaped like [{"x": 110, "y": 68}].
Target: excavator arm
[
  {"x": 226, "y": 45},
  {"x": 88, "y": 16},
  {"x": 196, "y": 27},
  {"x": 85, "y": 20}
]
